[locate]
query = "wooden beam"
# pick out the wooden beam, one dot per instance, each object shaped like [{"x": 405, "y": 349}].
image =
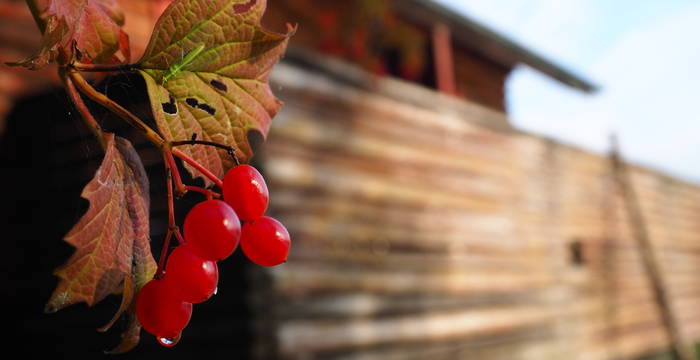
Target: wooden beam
[
  {"x": 444, "y": 63},
  {"x": 651, "y": 266}
]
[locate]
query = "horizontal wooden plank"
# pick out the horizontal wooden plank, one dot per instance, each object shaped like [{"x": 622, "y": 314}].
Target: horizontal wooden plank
[
  {"x": 300, "y": 336},
  {"x": 302, "y": 279},
  {"x": 415, "y": 230}
]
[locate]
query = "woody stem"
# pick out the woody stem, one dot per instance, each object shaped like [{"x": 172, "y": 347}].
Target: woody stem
[
  {"x": 123, "y": 113},
  {"x": 84, "y": 111}
]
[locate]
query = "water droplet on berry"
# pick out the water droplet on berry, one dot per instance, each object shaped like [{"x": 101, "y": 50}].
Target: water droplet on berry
[
  {"x": 216, "y": 290},
  {"x": 168, "y": 342}
]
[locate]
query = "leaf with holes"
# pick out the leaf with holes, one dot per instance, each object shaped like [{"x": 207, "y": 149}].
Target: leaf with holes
[
  {"x": 206, "y": 69},
  {"x": 112, "y": 238},
  {"x": 93, "y": 25}
]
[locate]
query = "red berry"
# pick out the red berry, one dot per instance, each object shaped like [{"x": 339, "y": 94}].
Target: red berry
[
  {"x": 245, "y": 190},
  {"x": 160, "y": 312},
  {"x": 212, "y": 229},
  {"x": 191, "y": 276},
  {"x": 265, "y": 241}
]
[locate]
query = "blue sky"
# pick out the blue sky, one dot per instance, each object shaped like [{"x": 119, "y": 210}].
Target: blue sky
[{"x": 644, "y": 55}]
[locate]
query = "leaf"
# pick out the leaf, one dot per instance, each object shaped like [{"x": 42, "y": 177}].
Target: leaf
[
  {"x": 127, "y": 291},
  {"x": 130, "y": 337},
  {"x": 111, "y": 239},
  {"x": 93, "y": 25},
  {"x": 206, "y": 69}
]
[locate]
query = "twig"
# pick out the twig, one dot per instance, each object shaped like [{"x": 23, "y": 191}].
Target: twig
[
  {"x": 123, "y": 113},
  {"x": 84, "y": 111},
  {"x": 36, "y": 13},
  {"x": 105, "y": 67}
]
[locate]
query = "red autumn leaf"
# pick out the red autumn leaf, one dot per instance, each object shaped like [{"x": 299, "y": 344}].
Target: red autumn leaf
[
  {"x": 112, "y": 238},
  {"x": 206, "y": 70},
  {"x": 93, "y": 25}
]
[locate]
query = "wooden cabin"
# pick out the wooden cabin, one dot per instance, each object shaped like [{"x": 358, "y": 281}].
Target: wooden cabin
[{"x": 423, "y": 225}]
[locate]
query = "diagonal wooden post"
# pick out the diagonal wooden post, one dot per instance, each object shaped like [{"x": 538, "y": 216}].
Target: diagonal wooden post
[{"x": 651, "y": 267}]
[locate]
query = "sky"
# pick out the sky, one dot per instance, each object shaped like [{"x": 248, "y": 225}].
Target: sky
[{"x": 644, "y": 56}]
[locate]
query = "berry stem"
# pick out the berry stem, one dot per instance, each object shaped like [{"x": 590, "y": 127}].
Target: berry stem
[
  {"x": 178, "y": 235},
  {"x": 169, "y": 161},
  {"x": 172, "y": 227},
  {"x": 171, "y": 204},
  {"x": 199, "y": 167},
  {"x": 163, "y": 254},
  {"x": 208, "y": 193}
]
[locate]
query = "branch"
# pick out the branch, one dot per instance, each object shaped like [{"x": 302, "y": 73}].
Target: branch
[
  {"x": 84, "y": 111},
  {"x": 134, "y": 121},
  {"x": 36, "y": 13},
  {"x": 105, "y": 67},
  {"x": 125, "y": 114}
]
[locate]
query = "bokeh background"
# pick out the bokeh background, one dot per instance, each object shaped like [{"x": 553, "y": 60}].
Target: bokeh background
[{"x": 445, "y": 169}]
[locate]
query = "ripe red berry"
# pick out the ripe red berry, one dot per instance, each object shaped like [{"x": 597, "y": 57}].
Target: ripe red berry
[
  {"x": 265, "y": 241},
  {"x": 245, "y": 190},
  {"x": 160, "y": 312},
  {"x": 212, "y": 229},
  {"x": 193, "y": 278}
]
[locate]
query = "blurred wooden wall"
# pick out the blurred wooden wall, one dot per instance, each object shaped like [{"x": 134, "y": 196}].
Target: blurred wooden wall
[{"x": 425, "y": 228}]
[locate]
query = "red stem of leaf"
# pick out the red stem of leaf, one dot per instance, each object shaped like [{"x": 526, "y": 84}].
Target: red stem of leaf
[{"x": 199, "y": 167}]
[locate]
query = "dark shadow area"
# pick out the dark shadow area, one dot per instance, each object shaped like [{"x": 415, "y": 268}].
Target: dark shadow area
[{"x": 47, "y": 156}]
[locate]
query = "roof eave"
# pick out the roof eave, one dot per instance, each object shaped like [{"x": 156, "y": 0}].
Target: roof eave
[{"x": 490, "y": 44}]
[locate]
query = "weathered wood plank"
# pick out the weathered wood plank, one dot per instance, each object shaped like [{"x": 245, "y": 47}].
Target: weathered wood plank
[{"x": 417, "y": 228}]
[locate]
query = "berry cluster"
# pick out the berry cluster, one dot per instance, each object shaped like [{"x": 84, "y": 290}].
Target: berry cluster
[{"x": 212, "y": 231}]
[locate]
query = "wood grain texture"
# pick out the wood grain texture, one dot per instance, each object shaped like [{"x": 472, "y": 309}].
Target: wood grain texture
[{"x": 423, "y": 232}]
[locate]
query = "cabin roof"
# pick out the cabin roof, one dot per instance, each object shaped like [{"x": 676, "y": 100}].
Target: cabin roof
[{"x": 489, "y": 43}]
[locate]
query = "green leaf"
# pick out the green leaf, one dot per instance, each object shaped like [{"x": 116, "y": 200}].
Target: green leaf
[
  {"x": 206, "y": 69},
  {"x": 93, "y": 25}
]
